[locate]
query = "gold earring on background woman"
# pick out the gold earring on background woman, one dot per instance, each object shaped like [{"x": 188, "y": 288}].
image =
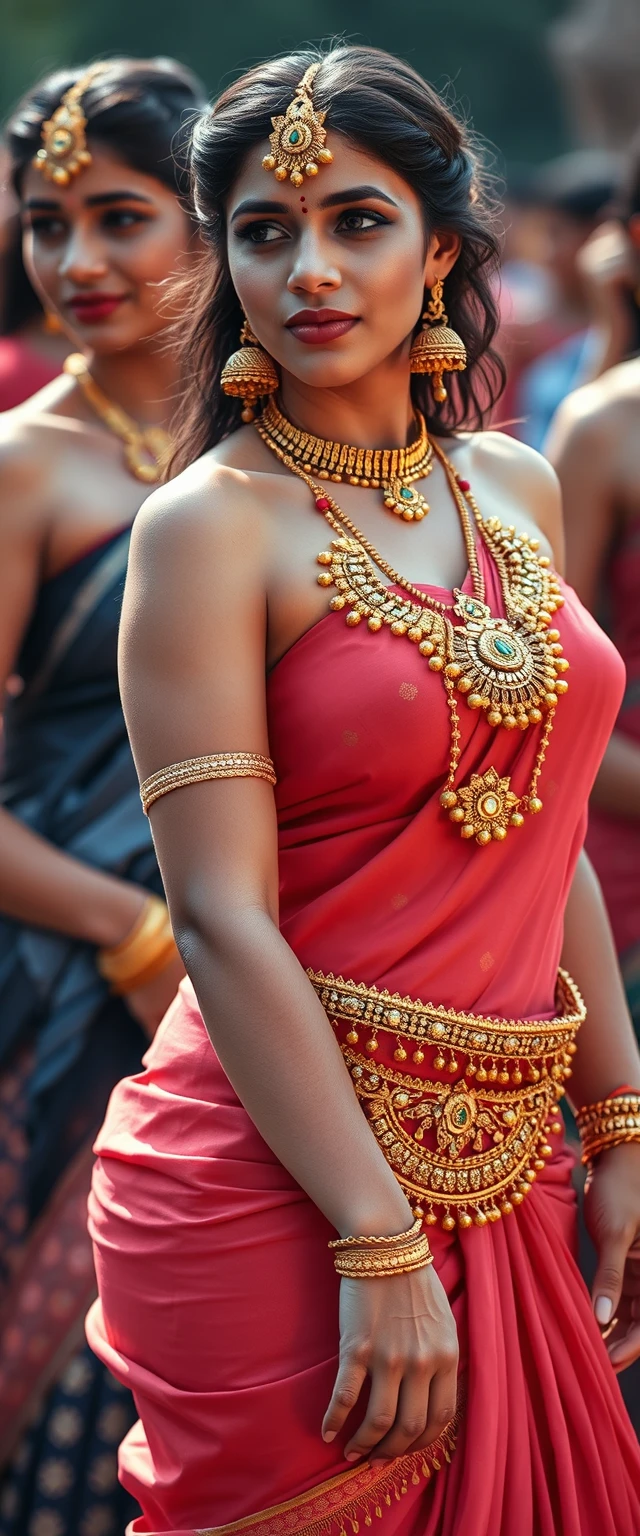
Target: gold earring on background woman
[
  {"x": 250, "y": 373},
  {"x": 147, "y": 450},
  {"x": 437, "y": 348}
]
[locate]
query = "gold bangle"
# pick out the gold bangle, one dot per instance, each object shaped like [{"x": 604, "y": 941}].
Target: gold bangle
[
  {"x": 196, "y": 770},
  {"x": 610, "y": 1123},
  {"x": 362, "y": 1258},
  {"x": 146, "y": 950}
]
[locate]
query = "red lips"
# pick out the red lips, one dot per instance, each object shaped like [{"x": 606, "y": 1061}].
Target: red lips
[
  {"x": 317, "y": 327},
  {"x": 93, "y": 308}
]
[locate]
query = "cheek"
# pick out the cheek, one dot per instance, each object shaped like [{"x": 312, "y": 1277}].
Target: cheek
[{"x": 152, "y": 257}]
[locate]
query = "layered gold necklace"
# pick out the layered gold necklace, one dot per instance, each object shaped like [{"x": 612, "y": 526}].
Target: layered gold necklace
[
  {"x": 392, "y": 470},
  {"x": 147, "y": 450},
  {"x": 510, "y": 668}
]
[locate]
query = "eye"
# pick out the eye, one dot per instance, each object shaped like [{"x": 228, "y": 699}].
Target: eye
[
  {"x": 262, "y": 234},
  {"x": 124, "y": 219},
  {"x": 47, "y": 226},
  {"x": 358, "y": 221}
]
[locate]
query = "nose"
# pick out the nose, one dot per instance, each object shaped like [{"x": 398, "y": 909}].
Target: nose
[
  {"x": 313, "y": 271},
  {"x": 83, "y": 259}
]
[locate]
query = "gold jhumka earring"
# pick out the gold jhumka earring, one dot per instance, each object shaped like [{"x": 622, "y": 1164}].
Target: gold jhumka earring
[
  {"x": 437, "y": 348},
  {"x": 249, "y": 373},
  {"x": 298, "y": 138},
  {"x": 64, "y": 144}
]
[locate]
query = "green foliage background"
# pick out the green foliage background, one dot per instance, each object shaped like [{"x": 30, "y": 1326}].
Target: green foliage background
[{"x": 492, "y": 51}]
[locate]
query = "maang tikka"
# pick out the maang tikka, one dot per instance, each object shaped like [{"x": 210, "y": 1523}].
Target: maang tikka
[
  {"x": 298, "y": 138},
  {"x": 64, "y": 144}
]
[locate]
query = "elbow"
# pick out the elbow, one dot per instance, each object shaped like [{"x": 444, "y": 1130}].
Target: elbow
[{"x": 218, "y": 931}]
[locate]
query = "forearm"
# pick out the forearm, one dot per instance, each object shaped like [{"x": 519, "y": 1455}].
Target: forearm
[
  {"x": 41, "y": 885},
  {"x": 278, "y": 1050},
  {"x": 607, "y": 1053},
  {"x": 617, "y": 787}
]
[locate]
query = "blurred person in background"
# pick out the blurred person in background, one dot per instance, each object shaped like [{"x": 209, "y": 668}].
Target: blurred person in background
[
  {"x": 571, "y": 194},
  {"x": 87, "y": 959},
  {"x": 33, "y": 345},
  {"x": 595, "y": 446}
]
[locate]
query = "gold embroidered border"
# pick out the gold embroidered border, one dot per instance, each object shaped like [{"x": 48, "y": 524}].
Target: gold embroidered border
[
  {"x": 474, "y": 1033},
  {"x": 354, "y": 1497}
]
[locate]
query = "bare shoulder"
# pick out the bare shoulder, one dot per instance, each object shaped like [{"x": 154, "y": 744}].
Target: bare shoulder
[
  {"x": 208, "y": 519},
  {"x": 597, "y": 412},
  {"x": 521, "y": 476},
  {"x": 25, "y": 464}
]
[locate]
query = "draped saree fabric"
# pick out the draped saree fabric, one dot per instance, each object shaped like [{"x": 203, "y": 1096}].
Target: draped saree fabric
[
  {"x": 219, "y": 1301},
  {"x": 68, "y": 774}
]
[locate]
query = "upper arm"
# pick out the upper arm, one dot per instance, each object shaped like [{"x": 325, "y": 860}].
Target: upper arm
[
  {"x": 579, "y": 448},
  {"x": 21, "y": 541},
  {"x": 192, "y": 673}
]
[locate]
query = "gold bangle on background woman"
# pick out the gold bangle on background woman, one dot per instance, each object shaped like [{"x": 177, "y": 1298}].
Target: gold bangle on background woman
[
  {"x": 196, "y": 770},
  {"x": 364, "y": 1258},
  {"x": 146, "y": 951},
  {"x": 609, "y": 1123}
]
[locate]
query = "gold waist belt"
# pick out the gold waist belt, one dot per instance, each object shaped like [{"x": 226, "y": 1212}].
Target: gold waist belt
[{"x": 466, "y": 1150}]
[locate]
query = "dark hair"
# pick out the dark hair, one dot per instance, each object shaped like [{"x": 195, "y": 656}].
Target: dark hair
[
  {"x": 383, "y": 106},
  {"x": 141, "y": 109},
  {"x": 19, "y": 302},
  {"x": 580, "y": 184}
]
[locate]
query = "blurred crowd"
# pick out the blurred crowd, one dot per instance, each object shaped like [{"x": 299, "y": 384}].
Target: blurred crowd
[{"x": 570, "y": 338}]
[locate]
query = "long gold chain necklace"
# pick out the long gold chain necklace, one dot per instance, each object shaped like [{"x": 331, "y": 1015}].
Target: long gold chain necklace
[
  {"x": 392, "y": 470},
  {"x": 147, "y": 450},
  {"x": 511, "y": 668}
]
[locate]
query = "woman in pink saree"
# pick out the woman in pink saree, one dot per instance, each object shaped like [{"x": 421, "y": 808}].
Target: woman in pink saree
[{"x": 376, "y": 1031}]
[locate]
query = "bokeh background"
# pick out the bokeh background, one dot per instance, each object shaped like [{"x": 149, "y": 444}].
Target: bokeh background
[{"x": 512, "y": 63}]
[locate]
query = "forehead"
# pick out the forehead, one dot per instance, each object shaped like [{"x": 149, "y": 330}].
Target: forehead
[
  {"x": 108, "y": 173},
  {"x": 351, "y": 167}
]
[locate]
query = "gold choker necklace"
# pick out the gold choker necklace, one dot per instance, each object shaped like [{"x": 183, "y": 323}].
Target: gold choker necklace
[
  {"x": 147, "y": 450},
  {"x": 511, "y": 669},
  {"x": 392, "y": 470}
]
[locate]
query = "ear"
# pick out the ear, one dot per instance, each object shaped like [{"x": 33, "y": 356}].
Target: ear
[{"x": 443, "y": 251}]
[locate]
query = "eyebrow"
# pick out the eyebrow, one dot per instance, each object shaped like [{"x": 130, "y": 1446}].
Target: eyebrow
[
  {"x": 334, "y": 200},
  {"x": 99, "y": 200}
]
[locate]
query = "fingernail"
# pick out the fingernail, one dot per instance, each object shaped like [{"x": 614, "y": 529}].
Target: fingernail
[
  {"x": 352, "y": 1456},
  {"x": 329, "y": 1435},
  {"x": 379, "y": 1461},
  {"x": 603, "y": 1310}
]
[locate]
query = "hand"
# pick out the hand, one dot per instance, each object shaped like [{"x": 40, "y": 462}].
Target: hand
[
  {"x": 149, "y": 1004},
  {"x": 612, "y": 1213},
  {"x": 398, "y": 1330}
]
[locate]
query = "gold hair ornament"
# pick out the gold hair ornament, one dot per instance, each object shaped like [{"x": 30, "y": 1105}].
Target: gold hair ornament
[
  {"x": 437, "y": 348},
  {"x": 64, "y": 144},
  {"x": 298, "y": 138},
  {"x": 250, "y": 373}
]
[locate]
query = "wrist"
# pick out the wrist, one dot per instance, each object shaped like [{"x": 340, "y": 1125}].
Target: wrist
[
  {"x": 384, "y": 1219},
  {"x": 116, "y": 912}
]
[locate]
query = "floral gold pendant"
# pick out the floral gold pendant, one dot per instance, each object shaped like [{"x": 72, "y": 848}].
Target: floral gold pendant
[
  {"x": 505, "y": 667},
  {"x": 486, "y": 807},
  {"x": 407, "y": 503}
]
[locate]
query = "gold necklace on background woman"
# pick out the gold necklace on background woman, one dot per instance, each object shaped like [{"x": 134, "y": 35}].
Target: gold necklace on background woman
[{"x": 147, "y": 450}]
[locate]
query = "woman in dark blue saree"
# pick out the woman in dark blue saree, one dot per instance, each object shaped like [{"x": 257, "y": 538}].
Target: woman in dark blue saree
[{"x": 87, "y": 962}]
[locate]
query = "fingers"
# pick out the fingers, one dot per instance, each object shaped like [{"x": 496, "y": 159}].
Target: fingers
[
  {"x": 624, "y": 1351},
  {"x": 381, "y": 1412},
  {"x": 392, "y": 1437},
  {"x": 607, "y": 1286},
  {"x": 347, "y": 1389},
  {"x": 443, "y": 1399}
]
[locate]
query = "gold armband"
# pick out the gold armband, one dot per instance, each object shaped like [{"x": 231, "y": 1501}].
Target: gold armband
[
  {"x": 195, "y": 770},
  {"x": 364, "y": 1258},
  {"x": 609, "y": 1123},
  {"x": 147, "y": 950}
]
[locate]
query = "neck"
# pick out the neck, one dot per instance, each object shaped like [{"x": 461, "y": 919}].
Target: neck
[
  {"x": 373, "y": 412},
  {"x": 142, "y": 380}
]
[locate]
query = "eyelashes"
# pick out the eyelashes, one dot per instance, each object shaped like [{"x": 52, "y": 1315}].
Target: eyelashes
[{"x": 353, "y": 221}]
